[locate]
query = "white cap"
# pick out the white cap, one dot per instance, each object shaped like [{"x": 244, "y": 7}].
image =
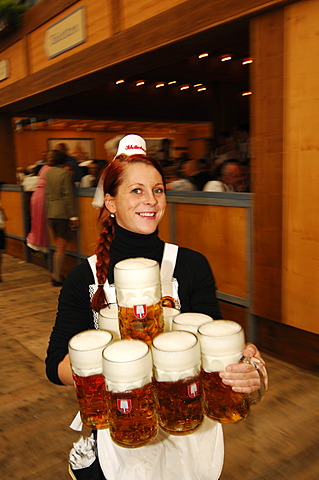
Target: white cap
[{"x": 132, "y": 145}]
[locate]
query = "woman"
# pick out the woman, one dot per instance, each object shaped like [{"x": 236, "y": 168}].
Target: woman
[
  {"x": 61, "y": 210},
  {"x": 134, "y": 204},
  {"x": 38, "y": 238}
]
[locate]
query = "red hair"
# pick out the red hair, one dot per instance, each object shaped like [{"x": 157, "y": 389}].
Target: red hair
[{"x": 112, "y": 177}]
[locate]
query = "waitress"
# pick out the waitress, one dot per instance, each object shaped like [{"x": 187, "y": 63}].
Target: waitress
[{"x": 134, "y": 204}]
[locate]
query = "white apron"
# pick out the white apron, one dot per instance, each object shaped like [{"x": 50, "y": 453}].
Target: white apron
[{"x": 198, "y": 456}]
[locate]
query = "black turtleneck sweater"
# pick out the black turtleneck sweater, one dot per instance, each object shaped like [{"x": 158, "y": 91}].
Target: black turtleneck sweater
[{"x": 196, "y": 289}]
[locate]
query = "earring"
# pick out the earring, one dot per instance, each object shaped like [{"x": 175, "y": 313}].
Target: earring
[{"x": 112, "y": 215}]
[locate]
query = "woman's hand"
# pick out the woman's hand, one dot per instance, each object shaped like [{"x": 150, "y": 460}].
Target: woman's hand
[{"x": 243, "y": 377}]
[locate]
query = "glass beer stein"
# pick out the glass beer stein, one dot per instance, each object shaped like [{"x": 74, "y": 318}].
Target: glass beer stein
[
  {"x": 109, "y": 320},
  {"x": 85, "y": 350},
  {"x": 222, "y": 343},
  {"x": 176, "y": 360},
  {"x": 127, "y": 368},
  {"x": 169, "y": 315},
  {"x": 138, "y": 293},
  {"x": 190, "y": 322}
]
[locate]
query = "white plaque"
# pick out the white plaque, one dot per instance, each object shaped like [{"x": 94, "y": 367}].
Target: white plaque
[
  {"x": 4, "y": 69},
  {"x": 67, "y": 33}
]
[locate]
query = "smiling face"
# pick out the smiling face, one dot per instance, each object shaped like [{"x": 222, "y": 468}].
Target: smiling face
[{"x": 140, "y": 202}]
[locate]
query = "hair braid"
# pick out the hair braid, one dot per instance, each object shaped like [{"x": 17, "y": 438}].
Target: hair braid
[{"x": 102, "y": 251}]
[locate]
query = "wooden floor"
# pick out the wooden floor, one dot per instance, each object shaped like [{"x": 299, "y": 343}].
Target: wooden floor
[{"x": 278, "y": 441}]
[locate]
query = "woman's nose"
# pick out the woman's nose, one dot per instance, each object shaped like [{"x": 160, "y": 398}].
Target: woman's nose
[{"x": 151, "y": 198}]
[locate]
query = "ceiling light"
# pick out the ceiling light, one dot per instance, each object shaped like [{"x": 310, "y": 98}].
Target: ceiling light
[
  {"x": 245, "y": 94},
  {"x": 184, "y": 87},
  {"x": 139, "y": 83},
  {"x": 119, "y": 81},
  {"x": 225, "y": 58},
  {"x": 247, "y": 61},
  {"x": 160, "y": 84},
  {"x": 198, "y": 85},
  {"x": 172, "y": 82},
  {"x": 203, "y": 55},
  {"x": 201, "y": 89}
]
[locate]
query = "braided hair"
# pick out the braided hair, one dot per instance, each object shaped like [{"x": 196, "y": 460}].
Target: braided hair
[{"x": 112, "y": 177}]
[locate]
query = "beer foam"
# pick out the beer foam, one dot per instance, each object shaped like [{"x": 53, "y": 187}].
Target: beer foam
[
  {"x": 108, "y": 320},
  {"x": 221, "y": 338},
  {"x": 85, "y": 350},
  {"x": 191, "y": 318},
  {"x": 176, "y": 355},
  {"x": 169, "y": 315},
  {"x": 174, "y": 341},
  {"x": 90, "y": 340},
  {"x": 220, "y": 328},
  {"x": 110, "y": 311},
  {"x": 136, "y": 273},
  {"x": 127, "y": 364},
  {"x": 125, "y": 351}
]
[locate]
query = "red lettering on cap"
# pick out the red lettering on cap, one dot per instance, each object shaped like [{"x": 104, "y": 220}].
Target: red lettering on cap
[{"x": 135, "y": 147}]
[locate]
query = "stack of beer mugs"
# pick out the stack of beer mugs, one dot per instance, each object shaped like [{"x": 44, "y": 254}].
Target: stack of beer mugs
[{"x": 154, "y": 378}]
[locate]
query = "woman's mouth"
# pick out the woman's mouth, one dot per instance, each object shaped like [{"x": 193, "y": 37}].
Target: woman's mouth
[{"x": 146, "y": 214}]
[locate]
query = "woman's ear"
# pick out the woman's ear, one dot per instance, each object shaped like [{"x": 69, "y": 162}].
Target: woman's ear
[{"x": 109, "y": 202}]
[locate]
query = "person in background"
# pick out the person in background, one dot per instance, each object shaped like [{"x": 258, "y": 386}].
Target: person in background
[
  {"x": 91, "y": 179},
  {"x": 20, "y": 174},
  {"x": 72, "y": 161},
  {"x": 31, "y": 179},
  {"x": 38, "y": 239},
  {"x": 61, "y": 211},
  {"x": 176, "y": 181},
  {"x": 231, "y": 176},
  {"x": 199, "y": 174},
  {"x": 3, "y": 219},
  {"x": 134, "y": 204},
  {"x": 242, "y": 134}
]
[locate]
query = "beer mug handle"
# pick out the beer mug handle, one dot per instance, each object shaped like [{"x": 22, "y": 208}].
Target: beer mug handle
[{"x": 260, "y": 368}]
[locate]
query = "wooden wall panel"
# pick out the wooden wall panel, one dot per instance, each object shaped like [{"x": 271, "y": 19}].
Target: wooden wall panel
[
  {"x": 220, "y": 234},
  {"x": 267, "y": 48},
  {"x": 11, "y": 202},
  {"x": 88, "y": 225},
  {"x": 301, "y": 173},
  {"x": 133, "y": 13},
  {"x": 16, "y": 54},
  {"x": 98, "y": 28}
]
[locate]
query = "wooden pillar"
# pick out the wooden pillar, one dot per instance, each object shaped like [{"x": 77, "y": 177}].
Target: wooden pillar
[
  {"x": 267, "y": 103},
  {"x": 7, "y": 153}
]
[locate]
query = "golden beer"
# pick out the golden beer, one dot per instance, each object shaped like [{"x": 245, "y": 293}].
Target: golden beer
[
  {"x": 220, "y": 402},
  {"x": 85, "y": 350},
  {"x": 127, "y": 368},
  {"x": 92, "y": 398},
  {"x": 133, "y": 421},
  {"x": 179, "y": 405},
  {"x": 143, "y": 323}
]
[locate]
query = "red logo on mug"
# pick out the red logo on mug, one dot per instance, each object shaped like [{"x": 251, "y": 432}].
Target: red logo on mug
[
  {"x": 140, "y": 311},
  {"x": 124, "y": 405},
  {"x": 193, "y": 390}
]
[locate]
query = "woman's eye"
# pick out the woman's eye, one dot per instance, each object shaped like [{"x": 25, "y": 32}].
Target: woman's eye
[
  {"x": 159, "y": 190},
  {"x": 136, "y": 190}
]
